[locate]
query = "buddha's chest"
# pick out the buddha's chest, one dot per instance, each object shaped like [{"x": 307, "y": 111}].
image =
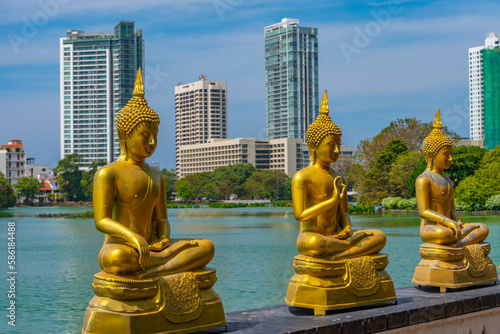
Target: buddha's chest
[
  {"x": 441, "y": 190},
  {"x": 321, "y": 187},
  {"x": 137, "y": 188}
]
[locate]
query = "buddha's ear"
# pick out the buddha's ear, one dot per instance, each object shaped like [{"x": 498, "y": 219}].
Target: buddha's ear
[
  {"x": 313, "y": 155},
  {"x": 122, "y": 137},
  {"x": 430, "y": 161}
]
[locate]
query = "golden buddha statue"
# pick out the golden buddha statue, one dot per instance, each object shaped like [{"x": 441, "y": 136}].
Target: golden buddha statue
[
  {"x": 150, "y": 283},
  {"x": 337, "y": 267},
  {"x": 453, "y": 254}
]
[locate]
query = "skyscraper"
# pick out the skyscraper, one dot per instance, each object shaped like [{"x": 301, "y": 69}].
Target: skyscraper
[
  {"x": 484, "y": 91},
  {"x": 292, "y": 98},
  {"x": 97, "y": 79},
  {"x": 200, "y": 113}
]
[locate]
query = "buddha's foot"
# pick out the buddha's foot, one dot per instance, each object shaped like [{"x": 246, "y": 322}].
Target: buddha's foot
[{"x": 166, "y": 255}]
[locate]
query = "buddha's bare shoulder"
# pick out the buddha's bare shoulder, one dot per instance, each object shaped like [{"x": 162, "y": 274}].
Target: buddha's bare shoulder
[
  {"x": 304, "y": 174},
  {"x": 108, "y": 171},
  {"x": 155, "y": 172}
]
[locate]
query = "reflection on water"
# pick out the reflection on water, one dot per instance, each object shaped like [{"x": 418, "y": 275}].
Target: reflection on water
[{"x": 57, "y": 257}]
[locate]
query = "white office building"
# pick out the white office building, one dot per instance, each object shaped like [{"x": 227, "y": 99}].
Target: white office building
[
  {"x": 287, "y": 155},
  {"x": 200, "y": 113}
]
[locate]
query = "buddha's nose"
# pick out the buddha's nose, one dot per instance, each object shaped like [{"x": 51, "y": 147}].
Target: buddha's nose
[{"x": 151, "y": 141}]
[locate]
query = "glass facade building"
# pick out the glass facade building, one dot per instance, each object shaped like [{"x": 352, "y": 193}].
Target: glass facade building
[
  {"x": 491, "y": 93},
  {"x": 291, "y": 63},
  {"x": 97, "y": 75},
  {"x": 477, "y": 89}
]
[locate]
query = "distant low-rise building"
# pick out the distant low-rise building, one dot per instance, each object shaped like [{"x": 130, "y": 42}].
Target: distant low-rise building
[
  {"x": 288, "y": 155},
  {"x": 13, "y": 160},
  {"x": 39, "y": 171}
]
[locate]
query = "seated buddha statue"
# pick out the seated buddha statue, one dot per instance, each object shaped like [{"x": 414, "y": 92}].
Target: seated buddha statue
[
  {"x": 453, "y": 254},
  {"x": 145, "y": 273},
  {"x": 327, "y": 244}
]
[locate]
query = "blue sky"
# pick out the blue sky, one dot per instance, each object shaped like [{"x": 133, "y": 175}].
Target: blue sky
[{"x": 379, "y": 60}]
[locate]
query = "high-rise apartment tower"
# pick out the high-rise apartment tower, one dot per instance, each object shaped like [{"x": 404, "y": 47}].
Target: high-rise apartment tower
[
  {"x": 292, "y": 98},
  {"x": 484, "y": 91},
  {"x": 200, "y": 113},
  {"x": 97, "y": 79}
]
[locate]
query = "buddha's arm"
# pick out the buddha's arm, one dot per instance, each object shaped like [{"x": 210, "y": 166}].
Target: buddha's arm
[
  {"x": 453, "y": 213},
  {"x": 161, "y": 218},
  {"x": 422, "y": 190},
  {"x": 344, "y": 218},
  {"x": 300, "y": 191},
  {"x": 103, "y": 198}
]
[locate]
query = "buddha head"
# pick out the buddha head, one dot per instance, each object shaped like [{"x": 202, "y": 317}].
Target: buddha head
[
  {"x": 137, "y": 124},
  {"x": 437, "y": 146},
  {"x": 323, "y": 136}
]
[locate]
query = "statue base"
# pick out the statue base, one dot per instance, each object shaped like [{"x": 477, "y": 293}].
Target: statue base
[
  {"x": 454, "y": 267},
  {"x": 324, "y": 285},
  {"x": 177, "y": 303}
]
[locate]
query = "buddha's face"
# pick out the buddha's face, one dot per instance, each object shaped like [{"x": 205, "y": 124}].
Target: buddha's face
[
  {"x": 142, "y": 142},
  {"x": 443, "y": 159},
  {"x": 329, "y": 149}
]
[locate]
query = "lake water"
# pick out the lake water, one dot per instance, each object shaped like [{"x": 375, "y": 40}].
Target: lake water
[{"x": 57, "y": 258}]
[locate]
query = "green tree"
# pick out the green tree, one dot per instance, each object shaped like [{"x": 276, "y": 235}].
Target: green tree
[
  {"x": 466, "y": 159},
  {"x": 371, "y": 184},
  {"x": 190, "y": 186},
  {"x": 476, "y": 189},
  {"x": 275, "y": 183},
  {"x": 28, "y": 187},
  {"x": 7, "y": 196},
  {"x": 170, "y": 177},
  {"x": 69, "y": 177},
  {"x": 409, "y": 130},
  {"x": 401, "y": 172},
  {"x": 418, "y": 169},
  {"x": 254, "y": 186},
  {"x": 87, "y": 181}
]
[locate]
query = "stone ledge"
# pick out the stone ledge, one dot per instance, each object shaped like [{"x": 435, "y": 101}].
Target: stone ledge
[{"x": 416, "y": 305}]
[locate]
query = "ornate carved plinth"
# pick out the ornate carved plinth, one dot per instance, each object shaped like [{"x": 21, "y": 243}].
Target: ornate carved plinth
[
  {"x": 178, "y": 303},
  {"x": 455, "y": 267},
  {"x": 330, "y": 285}
]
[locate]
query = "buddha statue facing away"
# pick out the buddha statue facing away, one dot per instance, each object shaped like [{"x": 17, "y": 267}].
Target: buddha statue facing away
[
  {"x": 150, "y": 283},
  {"x": 337, "y": 267},
  {"x": 453, "y": 254}
]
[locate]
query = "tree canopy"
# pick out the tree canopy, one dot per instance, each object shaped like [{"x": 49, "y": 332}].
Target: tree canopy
[
  {"x": 242, "y": 180},
  {"x": 69, "y": 177},
  {"x": 28, "y": 187},
  {"x": 386, "y": 164},
  {"x": 476, "y": 189},
  {"x": 7, "y": 196}
]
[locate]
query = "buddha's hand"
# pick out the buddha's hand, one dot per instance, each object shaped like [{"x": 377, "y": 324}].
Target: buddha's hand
[
  {"x": 338, "y": 189},
  {"x": 189, "y": 243},
  {"x": 457, "y": 230},
  {"x": 142, "y": 247},
  {"x": 159, "y": 245},
  {"x": 345, "y": 233}
]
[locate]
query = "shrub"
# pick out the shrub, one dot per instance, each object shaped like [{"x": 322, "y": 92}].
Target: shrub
[
  {"x": 410, "y": 204},
  {"x": 493, "y": 203},
  {"x": 391, "y": 202}
]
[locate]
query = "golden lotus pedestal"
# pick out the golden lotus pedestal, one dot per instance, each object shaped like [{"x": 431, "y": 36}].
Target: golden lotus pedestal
[
  {"x": 178, "y": 303},
  {"x": 331, "y": 285},
  {"x": 455, "y": 267}
]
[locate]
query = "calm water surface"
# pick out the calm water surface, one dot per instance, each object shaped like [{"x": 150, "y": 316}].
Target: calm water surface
[{"x": 57, "y": 258}]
